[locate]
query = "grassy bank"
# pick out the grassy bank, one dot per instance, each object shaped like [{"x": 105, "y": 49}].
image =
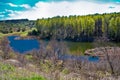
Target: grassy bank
[
  {"x": 78, "y": 48},
  {"x": 22, "y": 34},
  {"x": 14, "y": 33},
  {"x": 11, "y": 72}
]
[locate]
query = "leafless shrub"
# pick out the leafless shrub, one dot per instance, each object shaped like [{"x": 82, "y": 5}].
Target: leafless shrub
[
  {"x": 6, "y": 51},
  {"x": 21, "y": 58},
  {"x": 73, "y": 65},
  {"x": 111, "y": 56}
]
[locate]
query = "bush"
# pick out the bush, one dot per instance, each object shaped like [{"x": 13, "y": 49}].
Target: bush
[{"x": 31, "y": 78}]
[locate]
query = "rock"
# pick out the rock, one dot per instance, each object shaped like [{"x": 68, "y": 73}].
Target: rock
[
  {"x": 102, "y": 50},
  {"x": 59, "y": 62},
  {"x": 13, "y": 62},
  {"x": 29, "y": 65}
]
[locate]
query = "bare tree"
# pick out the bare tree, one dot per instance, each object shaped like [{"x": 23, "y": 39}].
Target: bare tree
[
  {"x": 4, "y": 45},
  {"x": 110, "y": 53}
]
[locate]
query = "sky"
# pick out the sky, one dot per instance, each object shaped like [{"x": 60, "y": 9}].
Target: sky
[{"x": 36, "y": 9}]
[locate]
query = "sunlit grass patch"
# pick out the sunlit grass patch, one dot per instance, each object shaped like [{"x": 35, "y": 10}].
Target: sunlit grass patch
[{"x": 9, "y": 72}]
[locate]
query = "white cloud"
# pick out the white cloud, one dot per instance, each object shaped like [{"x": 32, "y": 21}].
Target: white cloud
[
  {"x": 44, "y": 9},
  {"x": 10, "y": 11},
  {"x": 2, "y": 12},
  {"x": 14, "y": 13},
  {"x": 111, "y": 7},
  {"x": 12, "y": 5},
  {"x": 25, "y": 6},
  {"x": 22, "y": 5},
  {"x": 2, "y": 15}
]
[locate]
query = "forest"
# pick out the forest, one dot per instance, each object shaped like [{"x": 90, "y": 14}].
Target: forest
[{"x": 80, "y": 28}]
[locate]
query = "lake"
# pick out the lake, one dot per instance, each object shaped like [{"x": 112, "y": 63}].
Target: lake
[{"x": 23, "y": 45}]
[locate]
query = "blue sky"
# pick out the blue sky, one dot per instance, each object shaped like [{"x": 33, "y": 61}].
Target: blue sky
[{"x": 34, "y": 9}]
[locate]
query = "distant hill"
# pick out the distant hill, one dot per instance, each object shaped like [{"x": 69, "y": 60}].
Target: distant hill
[{"x": 15, "y": 21}]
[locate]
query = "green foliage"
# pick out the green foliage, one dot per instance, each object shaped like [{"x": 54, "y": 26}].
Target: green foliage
[
  {"x": 15, "y": 26},
  {"x": 65, "y": 71},
  {"x": 78, "y": 48},
  {"x": 10, "y": 72},
  {"x": 6, "y": 67},
  {"x": 31, "y": 78},
  {"x": 80, "y": 28}
]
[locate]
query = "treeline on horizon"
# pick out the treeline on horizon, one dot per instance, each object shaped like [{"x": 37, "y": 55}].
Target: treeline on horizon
[
  {"x": 17, "y": 25},
  {"x": 80, "y": 28}
]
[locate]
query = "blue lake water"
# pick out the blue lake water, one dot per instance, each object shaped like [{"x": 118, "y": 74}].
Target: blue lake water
[
  {"x": 84, "y": 58},
  {"x": 23, "y": 45}
]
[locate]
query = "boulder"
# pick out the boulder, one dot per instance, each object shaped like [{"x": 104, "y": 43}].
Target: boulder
[{"x": 13, "y": 62}]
